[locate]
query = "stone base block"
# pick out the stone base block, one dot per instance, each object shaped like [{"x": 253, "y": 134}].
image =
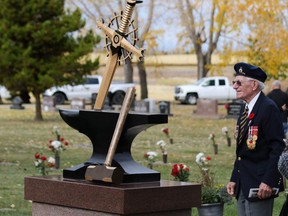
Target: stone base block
[
  {"x": 41, "y": 209},
  {"x": 53, "y": 195}
]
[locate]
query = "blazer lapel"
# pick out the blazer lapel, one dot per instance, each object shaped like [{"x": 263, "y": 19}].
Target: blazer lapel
[{"x": 250, "y": 122}]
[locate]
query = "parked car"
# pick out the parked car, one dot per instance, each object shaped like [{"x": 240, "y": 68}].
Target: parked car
[
  {"x": 85, "y": 91},
  {"x": 4, "y": 93},
  {"x": 217, "y": 88}
]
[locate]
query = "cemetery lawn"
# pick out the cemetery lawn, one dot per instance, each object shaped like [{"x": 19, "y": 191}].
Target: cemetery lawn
[{"x": 21, "y": 138}]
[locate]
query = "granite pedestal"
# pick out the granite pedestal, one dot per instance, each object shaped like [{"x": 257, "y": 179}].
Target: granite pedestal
[{"x": 52, "y": 195}]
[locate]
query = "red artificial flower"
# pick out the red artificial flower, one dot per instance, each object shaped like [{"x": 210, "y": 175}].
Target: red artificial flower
[
  {"x": 61, "y": 139},
  {"x": 181, "y": 166},
  {"x": 37, "y": 155},
  {"x": 166, "y": 131},
  {"x": 66, "y": 143},
  {"x": 175, "y": 171},
  {"x": 208, "y": 158},
  {"x": 50, "y": 141},
  {"x": 51, "y": 165},
  {"x": 251, "y": 116},
  {"x": 43, "y": 158}
]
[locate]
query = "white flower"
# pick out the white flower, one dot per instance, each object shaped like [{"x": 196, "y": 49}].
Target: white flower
[
  {"x": 37, "y": 163},
  {"x": 56, "y": 144},
  {"x": 201, "y": 159},
  {"x": 211, "y": 136},
  {"x": 51, "y": 160},
  {"x": 161, "y": 143},
  {"x": 151, "y": 154},
  {"x": 198, "y": 157},
  {"x": 205, "y": 169},
  {"x": 224, "y": 130}
]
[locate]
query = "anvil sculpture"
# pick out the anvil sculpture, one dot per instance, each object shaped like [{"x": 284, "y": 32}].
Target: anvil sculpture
[{"x": 100, "y": 125}]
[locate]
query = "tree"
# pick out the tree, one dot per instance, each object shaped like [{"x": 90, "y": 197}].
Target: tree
[
  {"x": 95, "y": 10},
  {"x": 39, "y": 47},
  {"x": 203, "y": 21},
  {"x": 267, "y": 42}
]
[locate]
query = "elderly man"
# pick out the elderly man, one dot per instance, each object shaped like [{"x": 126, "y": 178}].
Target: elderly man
[{"x": 255, "y": 179}]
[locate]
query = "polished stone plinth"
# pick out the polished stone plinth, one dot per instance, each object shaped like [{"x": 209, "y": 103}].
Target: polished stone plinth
[{"x": 51, "y": 195}]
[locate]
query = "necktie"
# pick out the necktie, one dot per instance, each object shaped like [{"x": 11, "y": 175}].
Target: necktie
[{"x": 243, "y": 121}]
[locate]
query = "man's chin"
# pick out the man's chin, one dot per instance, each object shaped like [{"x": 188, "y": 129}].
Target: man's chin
[{"x": 239, "y": 95}]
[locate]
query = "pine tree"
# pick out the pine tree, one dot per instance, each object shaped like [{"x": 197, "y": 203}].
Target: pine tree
[{"x": 40, "y": 47}]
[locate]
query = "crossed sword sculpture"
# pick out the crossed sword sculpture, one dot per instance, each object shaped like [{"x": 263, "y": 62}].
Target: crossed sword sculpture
[{"x": 106, "y": 172}]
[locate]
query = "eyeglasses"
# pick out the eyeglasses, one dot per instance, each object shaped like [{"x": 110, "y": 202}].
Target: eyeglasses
[{"x": 239, "y": 83}]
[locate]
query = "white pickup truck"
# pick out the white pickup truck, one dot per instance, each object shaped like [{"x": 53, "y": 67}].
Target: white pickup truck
[
  {"x": 85, "y": 91},
  {"x": 216, "y": 87}
]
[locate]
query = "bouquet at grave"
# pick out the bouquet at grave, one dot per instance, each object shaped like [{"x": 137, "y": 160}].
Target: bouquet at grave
[
  {"x": 57, "y": 145},
  {"x": 228, "y": 138},
  {"x": 42, "y": 163},
  {"x": 180, "y": 172},
  {"x": 215, "y": 146},
  {"x": 162, "y": 144},
  {"x": 150, "y": 157},
  {"x": 166, "y": 132},
  {"x": 211, "y": 193}
]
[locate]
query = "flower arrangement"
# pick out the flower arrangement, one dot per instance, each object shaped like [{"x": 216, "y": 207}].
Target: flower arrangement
[
  {"x": 162, "y": 144},
  {"x": 166, "y": 132},
  {"x": 215, "y": 146},
  {"x": 211, "y": 193},
  {"x": 228, "y": 138},
  {"x": 150, "y": 157},
  {"x": 60, "y": 143},
  {"x": 42, "y": 163},
  {"x": 180, "y": 172},
  {"x": 57, "y": 145}
]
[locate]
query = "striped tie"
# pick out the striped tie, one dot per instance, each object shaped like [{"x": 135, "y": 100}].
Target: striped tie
[{"x": 243, "y": 121}]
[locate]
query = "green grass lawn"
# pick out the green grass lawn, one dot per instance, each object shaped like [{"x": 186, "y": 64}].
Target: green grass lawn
[{"x": 21, "y": 137}]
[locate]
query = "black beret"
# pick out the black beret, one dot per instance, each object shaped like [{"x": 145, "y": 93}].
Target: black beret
[{"x": 247, "y": 70}]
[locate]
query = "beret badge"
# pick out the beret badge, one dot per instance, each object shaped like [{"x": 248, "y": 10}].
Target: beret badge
[{"x": 241, "y": 71}]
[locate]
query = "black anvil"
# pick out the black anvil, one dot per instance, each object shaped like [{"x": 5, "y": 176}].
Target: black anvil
[{"x": 99, "y": 127}]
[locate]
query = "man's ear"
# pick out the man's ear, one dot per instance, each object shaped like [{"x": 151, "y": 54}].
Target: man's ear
[{"x": 255, "y": 85}]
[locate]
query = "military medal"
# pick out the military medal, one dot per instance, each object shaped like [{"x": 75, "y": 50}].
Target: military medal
[{"x": 252, "y": 137}]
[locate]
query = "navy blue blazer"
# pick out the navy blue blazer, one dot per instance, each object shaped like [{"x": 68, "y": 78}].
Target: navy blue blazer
[{"x": 253, "y": 166}]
